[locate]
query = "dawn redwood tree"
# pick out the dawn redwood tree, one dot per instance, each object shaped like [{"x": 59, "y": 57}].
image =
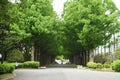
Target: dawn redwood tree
[
  {"x": 91, "y": 22},
  {"x": 36, "y": 26},
  {"x": 5, "y": 37},
  {"x": 4, "y": 6}
]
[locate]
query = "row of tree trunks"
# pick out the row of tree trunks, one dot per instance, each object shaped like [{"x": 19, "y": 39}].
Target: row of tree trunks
[
  {"x": 37, "y": 53},
  {"x": 82, "y": 58},
  {"x": 42, "y": 56},
  {"x": 46, "y": 59},
  {"x": 32, "y": 52},
  {"x": 76, "y": 59}
]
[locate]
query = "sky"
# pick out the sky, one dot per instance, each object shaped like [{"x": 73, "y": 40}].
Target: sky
[
  {"x": 59, "y": 4},
  {"x": 117, "y": 2}
]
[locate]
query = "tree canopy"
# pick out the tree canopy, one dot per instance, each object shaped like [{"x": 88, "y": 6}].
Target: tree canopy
[
  {"x": 91, "y": 22},
  {"x": 85, "y": 25}
]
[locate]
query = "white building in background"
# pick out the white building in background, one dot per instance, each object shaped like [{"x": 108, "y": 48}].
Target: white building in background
[
  {"x": 109, "y": 47},
  {"x": 14, "y": 1},
  {"x": 0, "y": 56}
]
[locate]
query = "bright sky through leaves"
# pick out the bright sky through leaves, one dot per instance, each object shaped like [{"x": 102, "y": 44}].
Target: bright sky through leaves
[
  {"x": 117, "y": 2},
  {"x": 59, "y": 4}
]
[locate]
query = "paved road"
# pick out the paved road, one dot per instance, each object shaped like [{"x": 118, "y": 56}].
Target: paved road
[{"x": 65, "y": 74}]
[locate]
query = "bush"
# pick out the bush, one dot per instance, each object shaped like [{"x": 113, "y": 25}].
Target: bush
[
  {"x": 99, "y": 66},
  {"x": 31, "y": 64},
  {"x": 20, "y": 65},
  {"x": 6, "y": 68},
  {"x": 107, "y": 65},
  {"x": 92, "y": 65},
  {"x": 116, "y": 65},
  {"x": 28, "y": 64},
  {"x": 15, "y": 55}
]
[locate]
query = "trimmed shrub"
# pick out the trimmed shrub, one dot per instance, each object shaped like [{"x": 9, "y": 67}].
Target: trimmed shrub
[
  {"x": 107, "y": 65},
  {"x": 20, "y": 65},
  {"x": 28, "y": 64},
  {"x": 92, "y": 65},
  {"x": 99, "y": 66},
  {"x": 31, "y": 64},
  {"x": 116, "y": 65},
  {"x": 6, "y": 68}
]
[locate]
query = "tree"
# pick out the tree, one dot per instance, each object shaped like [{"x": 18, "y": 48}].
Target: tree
[
  {"x": 4, "y": 28},
  {"x": 35, "y": 27},
  {"x": 15, "y": 55},
  {"x": 93, "y": 22},
  {"x": 117, "y": 54},
  {"x": 4, "y": 17}
]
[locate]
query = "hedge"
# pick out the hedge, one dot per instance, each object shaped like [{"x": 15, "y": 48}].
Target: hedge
[
  {"x": 91, "y": 65},
  {"x": 30, "y": 64},
  {"x": 6, "y": 68},
  {"x": 107, "y": 65},
  {"x": 27, "y": 64},
  {"x": 116, "y": 65},
  {"x": 99, "y": 66}
]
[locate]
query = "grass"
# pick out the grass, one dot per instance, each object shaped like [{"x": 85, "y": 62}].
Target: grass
[{"x": 6, "y": 76}]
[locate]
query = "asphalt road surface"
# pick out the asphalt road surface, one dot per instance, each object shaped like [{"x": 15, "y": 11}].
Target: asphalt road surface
[{"x": 64, "y": 74}]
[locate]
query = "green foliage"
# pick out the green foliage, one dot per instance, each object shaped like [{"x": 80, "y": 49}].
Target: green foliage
[
  {"x": 21, "y": 65},
  {"x": 87, "y": 25},
  {"x": 117, "y": 54},
  {"x": 99, "y": 66},
  {"x": 92, "y": 65},
  {"x": 15, "y": 55},
  {"x": 105, "y": 57},
  {"x": 4, "y": 7},
  {"x": 27, "y": 64},
  {"x": 107, "y": 65},
  {"x": 108, "y": 57},
  {"x": 6, "y": 68},
  {"x": 31, "y": 64},
  {"x": 99, "y": 58},
  {"x": 61, "y": 57},
  {"x": 116, "y": 65},
  {"x": 35, "y": 23}
]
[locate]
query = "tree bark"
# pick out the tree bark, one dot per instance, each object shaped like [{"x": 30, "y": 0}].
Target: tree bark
[
  {"x": 91, "y": 55},
  {"x": 32, "y": 53}
]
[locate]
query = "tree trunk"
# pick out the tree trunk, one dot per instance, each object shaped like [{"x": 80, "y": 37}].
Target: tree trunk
[
  {"x": 88, "y": 55},
  {"x": 43, "y": 59},
  {"x": 71, "y": 59},
  {"x": 32, "y": 53},
  {"x": 91, "y": 55},
  {"x": 80, "y": 56},
  {"x": 85, "y": 56},
  {"x": 36, "y": 53}
]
